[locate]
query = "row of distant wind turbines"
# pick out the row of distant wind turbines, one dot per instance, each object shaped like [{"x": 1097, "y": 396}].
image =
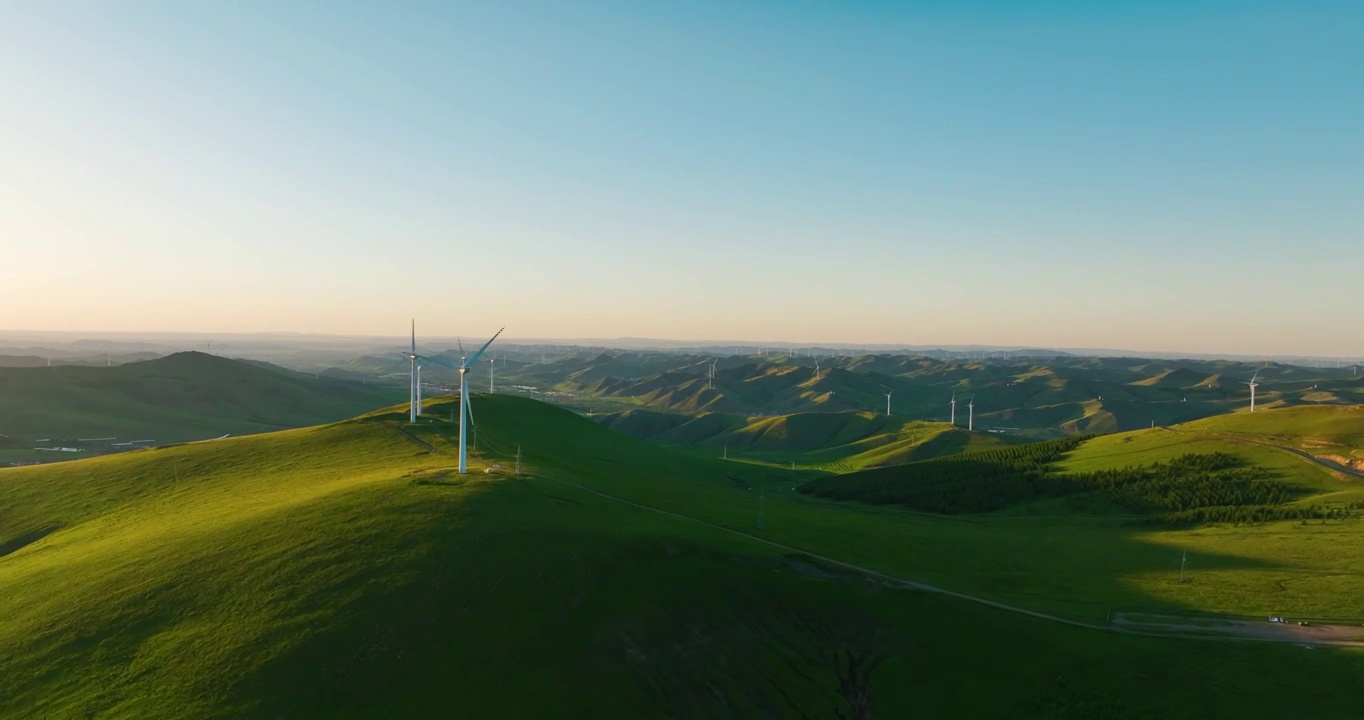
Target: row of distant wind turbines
[
  {"x": 466, "y": 363},
  {"x": 970, "y": 404}
]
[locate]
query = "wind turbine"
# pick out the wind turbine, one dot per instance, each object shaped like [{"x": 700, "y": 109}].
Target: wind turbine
[
  {"x": 465, "y": 413},
  {"x": 816, "y": 369},
  {"x": 892, "y": 392},
  {"x": 492, "y": 374},
  {"x": 412, "y": 376},
  {"x": 971, "y": 414},
  {"x": 1252, "y": 384},
  {"x": 954, "y": 409}
]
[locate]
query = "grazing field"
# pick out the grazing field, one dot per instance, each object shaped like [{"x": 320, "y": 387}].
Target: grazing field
[{"x": 345, "y": 569}]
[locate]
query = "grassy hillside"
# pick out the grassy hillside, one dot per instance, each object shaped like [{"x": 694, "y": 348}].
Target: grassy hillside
[
  {"x": 832, "y": 441},
  {"x": 345, "y": 570},
  {"x": 186, "y": 396}
]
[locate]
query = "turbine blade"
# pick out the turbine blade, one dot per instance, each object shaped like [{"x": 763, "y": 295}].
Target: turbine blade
[
  {"x": 485, "y": 347},
  {"x": 461, "y": 346},
  {"x": 437, "y": 361}
]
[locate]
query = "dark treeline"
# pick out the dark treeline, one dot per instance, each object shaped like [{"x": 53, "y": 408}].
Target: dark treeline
[{"x": 1192, "y": 488}]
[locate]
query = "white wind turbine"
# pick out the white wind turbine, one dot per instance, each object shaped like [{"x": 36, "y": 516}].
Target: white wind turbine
[
  {"x": 892, "y": 392},
  {"x": 412, "y": 378},
  {"x": 465, "y": 414},
  {"x": 492, "y": 374},
  {"x": 971, "y": 414},
  {"x": 954, "y": 409},
  {"x": 1252, "y": 385}
]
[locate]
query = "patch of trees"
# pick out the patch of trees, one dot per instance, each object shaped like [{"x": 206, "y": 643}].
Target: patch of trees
[{"x": 1192, "y": 488}]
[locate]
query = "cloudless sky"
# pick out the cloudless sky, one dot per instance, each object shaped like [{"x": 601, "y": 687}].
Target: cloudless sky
[{"x": 1145, "y": 175}]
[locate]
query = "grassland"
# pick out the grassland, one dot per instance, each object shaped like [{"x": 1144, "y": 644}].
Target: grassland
[
  {"x": 345, "y": 570},
  {"x": 832, "y": 441}
]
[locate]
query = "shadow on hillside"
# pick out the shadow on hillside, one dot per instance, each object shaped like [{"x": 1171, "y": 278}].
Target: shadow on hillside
[
  {"x": 519, "y": 598},
  {"x": 18, "y": 542}
]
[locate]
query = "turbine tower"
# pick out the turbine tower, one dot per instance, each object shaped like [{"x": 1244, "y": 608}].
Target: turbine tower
[
  {"x": 492, "y": 374},
  {"x": 1252, "y": 384},
  {"x": 892, "y": 392},
  {"x": 412, "y": 376},
  {"x": 954, "y": 409},
  {"x": 419, "y": 391},
  {"x": 971, "y": 414}
]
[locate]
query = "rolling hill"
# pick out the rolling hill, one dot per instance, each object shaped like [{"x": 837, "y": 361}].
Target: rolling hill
[
  {"x": 1041, "y": 397},
  {"x": 825, "y": 440},
  {"x": 346, "y": 570},
  {"x": 186, "y": 396}
]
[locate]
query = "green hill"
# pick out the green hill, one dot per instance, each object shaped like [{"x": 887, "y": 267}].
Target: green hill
[
  {"x": 345, "y": 570},
  {"x": 827, "y": 440},
  {"x": 186, "y": 396}
]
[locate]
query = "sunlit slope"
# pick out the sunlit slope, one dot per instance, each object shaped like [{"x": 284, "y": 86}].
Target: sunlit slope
[
  {"x": 345, "y": 570},
  {"x": 1325, "y": 430},
  {"x": 843, "y": 440},
  {"x": 187, "y": 396},
  {"x": 302, "y": 571},
  {"x": 1330, "y": 432}
]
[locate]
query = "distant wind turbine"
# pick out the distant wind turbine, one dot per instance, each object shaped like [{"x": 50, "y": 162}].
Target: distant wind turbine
[
  {"x": 971, "y": 414},
  {"x": 892, "y": 392},
  {"x": 492, "y": 374},
  {"x": 954, "y": 409},
  {"x": 1252, "y": 385}
]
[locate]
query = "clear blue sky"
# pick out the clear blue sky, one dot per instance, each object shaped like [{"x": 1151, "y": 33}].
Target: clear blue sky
[{"x": 1162, "y": 175}]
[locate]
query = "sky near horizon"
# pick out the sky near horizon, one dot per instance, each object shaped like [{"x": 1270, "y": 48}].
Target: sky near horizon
[{"x": 1165, "y": 176}]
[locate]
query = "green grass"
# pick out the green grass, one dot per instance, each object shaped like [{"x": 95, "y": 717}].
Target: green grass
[{"x": 344, "y": 570}]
